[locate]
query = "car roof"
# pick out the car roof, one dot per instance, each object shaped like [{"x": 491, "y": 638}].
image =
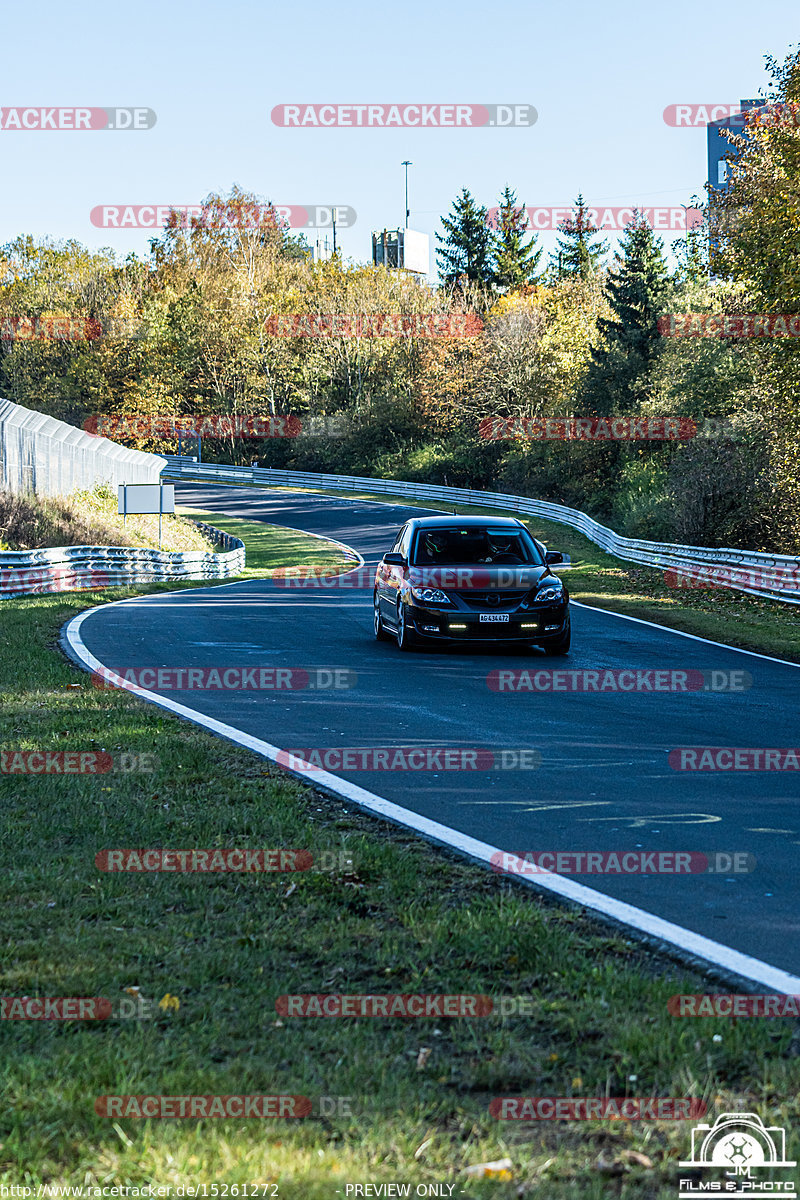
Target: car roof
[{"x": 456, "y": 522}]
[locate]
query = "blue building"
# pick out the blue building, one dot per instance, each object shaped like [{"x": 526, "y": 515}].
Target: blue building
[{"x": 719, "y": 148}]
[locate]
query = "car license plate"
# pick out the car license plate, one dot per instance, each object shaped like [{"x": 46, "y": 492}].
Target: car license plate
[{"x": 494, "y": 617}]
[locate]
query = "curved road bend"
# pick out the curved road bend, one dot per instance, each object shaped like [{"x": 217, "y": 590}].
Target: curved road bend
[{"x": 604, "y": 783}]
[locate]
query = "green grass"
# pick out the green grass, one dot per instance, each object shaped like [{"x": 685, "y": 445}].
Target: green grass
[
  {"x": 401, "y": 916},
  {"x": 269, "y": 546}
]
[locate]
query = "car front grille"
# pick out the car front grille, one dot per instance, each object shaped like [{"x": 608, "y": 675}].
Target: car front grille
[{"x": 493, "y": 601}]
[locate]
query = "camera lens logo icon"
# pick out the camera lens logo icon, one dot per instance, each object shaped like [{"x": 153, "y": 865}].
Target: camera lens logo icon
[{"x": 739, "y": 1142}]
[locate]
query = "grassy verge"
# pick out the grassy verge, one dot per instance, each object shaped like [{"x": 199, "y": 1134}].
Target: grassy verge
[
  {"x": 88, "y": 518},
  {"x": 270, "y": 546},
  {"x": 600, "y": 580},
  {"x": 392, "y": 915}
]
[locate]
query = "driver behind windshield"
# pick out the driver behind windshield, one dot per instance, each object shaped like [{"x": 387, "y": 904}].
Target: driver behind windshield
[
  {"x": 501, "y": 550},
  {"x": 441, "y": 547}
]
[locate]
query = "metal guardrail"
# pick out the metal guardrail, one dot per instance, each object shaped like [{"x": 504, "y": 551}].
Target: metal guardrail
[
  {"x": 79, "y": 568},
  {"x": 757, "y": 573}
]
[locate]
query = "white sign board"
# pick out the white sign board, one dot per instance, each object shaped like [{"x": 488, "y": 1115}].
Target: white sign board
[
  {"x": 416, "y": 251},
  {"x": 136, "y": 498}
]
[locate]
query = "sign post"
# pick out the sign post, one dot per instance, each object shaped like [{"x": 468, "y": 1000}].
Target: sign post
[{"x": 146, "y": 498}]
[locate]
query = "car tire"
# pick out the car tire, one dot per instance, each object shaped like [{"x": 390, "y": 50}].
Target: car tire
[
  {"x": 561, "y": 646},
  {"x": 406, "y": 638},
  {"x": 377, "y": 621}
]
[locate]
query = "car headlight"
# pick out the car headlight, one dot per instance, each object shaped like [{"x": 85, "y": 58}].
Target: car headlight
[
  {"x": 551, "y": 591},
  {"x": 430, "y": 595}
]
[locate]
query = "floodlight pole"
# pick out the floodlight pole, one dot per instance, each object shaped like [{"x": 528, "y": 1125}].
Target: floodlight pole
[{"x": 406, "y": 163}]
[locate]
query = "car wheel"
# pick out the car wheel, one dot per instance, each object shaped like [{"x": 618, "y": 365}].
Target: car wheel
[
  {"x": 377, "y": 622},
  {"x": 406, "y": 638},
  {"x": 561, "y": 646}
]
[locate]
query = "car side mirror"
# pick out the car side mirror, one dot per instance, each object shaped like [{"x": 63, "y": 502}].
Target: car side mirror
[
  {"x": 394, "y": 560},
  {"x": 552, "y": 557}
]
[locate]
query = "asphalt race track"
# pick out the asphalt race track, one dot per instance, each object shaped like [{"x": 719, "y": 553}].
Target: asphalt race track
[{"x": 604, "y": 783}]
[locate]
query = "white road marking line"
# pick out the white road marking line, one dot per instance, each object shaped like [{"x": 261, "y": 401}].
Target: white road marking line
[{"x": 690, "y": 943}]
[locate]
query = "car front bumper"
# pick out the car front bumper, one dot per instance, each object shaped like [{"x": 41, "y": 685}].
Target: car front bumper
[{"x": 540, "y": 625}]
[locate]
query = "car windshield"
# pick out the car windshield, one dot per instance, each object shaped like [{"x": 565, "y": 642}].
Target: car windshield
[{"x": 491, "y": 546}]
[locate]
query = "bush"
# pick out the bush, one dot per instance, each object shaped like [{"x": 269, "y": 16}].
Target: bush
[
  {"x": 577, "y": 474},
  {"x": 642, "y": 507},
  {"x": 87, "y": 518},
  {"x": 720, "y": 488}
]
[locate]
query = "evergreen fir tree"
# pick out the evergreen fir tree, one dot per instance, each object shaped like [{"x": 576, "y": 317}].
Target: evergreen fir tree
[
  {"x": 692, "y": 253},
  {"x": 466, "y": 248},
  {"x": 637, "y": 290},
  {"x": 577, "y": 252},
  {"x": 514, "y": 262}
]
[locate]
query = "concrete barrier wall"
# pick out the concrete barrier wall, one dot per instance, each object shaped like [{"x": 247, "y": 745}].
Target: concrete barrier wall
[{"x": 42, "y": 455}]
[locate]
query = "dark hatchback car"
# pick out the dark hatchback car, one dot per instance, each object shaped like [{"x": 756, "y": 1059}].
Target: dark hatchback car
[{"x": 465, "y": 579}]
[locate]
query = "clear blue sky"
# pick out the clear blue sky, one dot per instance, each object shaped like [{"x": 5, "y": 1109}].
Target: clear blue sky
[{"x": 599, "y": 75}]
